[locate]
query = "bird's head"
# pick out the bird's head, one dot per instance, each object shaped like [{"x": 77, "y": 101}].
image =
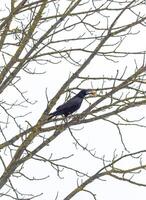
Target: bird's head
[{"x": 85, "y": 92}]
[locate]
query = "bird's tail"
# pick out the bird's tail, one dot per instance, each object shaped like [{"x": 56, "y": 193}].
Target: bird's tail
[{"x": 53, "y": 114}]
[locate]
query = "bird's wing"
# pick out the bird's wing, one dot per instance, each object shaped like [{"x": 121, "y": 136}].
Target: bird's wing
[{"x": 70, "y": 103}]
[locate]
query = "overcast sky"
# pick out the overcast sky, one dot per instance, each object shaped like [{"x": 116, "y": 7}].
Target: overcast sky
[{"x": 100, "y": 136}]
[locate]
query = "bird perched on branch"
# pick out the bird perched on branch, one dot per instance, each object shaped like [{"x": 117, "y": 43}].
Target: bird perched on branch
[{"x": 72, "y": 104}]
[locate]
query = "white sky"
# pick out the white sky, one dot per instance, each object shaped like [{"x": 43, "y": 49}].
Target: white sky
[{"x": 101, "y": 135}]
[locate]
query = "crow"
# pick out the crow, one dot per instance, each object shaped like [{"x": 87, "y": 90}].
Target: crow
[{"x": 72, "y": 104}]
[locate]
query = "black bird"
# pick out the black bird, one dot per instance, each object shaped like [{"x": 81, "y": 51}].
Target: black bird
[{"x": 72, "y": 104}]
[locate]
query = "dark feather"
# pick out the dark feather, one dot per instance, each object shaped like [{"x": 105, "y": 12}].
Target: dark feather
[{"x": 71, "y": 105}]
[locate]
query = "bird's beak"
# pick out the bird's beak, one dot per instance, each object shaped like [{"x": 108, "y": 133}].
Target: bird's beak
[{"x": 92, "y": 92}]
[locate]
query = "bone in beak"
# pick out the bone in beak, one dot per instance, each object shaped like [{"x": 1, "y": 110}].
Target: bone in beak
[{"x": 93, "y": 92}]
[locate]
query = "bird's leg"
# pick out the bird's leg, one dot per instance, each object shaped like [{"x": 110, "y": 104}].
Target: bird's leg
[{"x": 65, "y": 120}]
